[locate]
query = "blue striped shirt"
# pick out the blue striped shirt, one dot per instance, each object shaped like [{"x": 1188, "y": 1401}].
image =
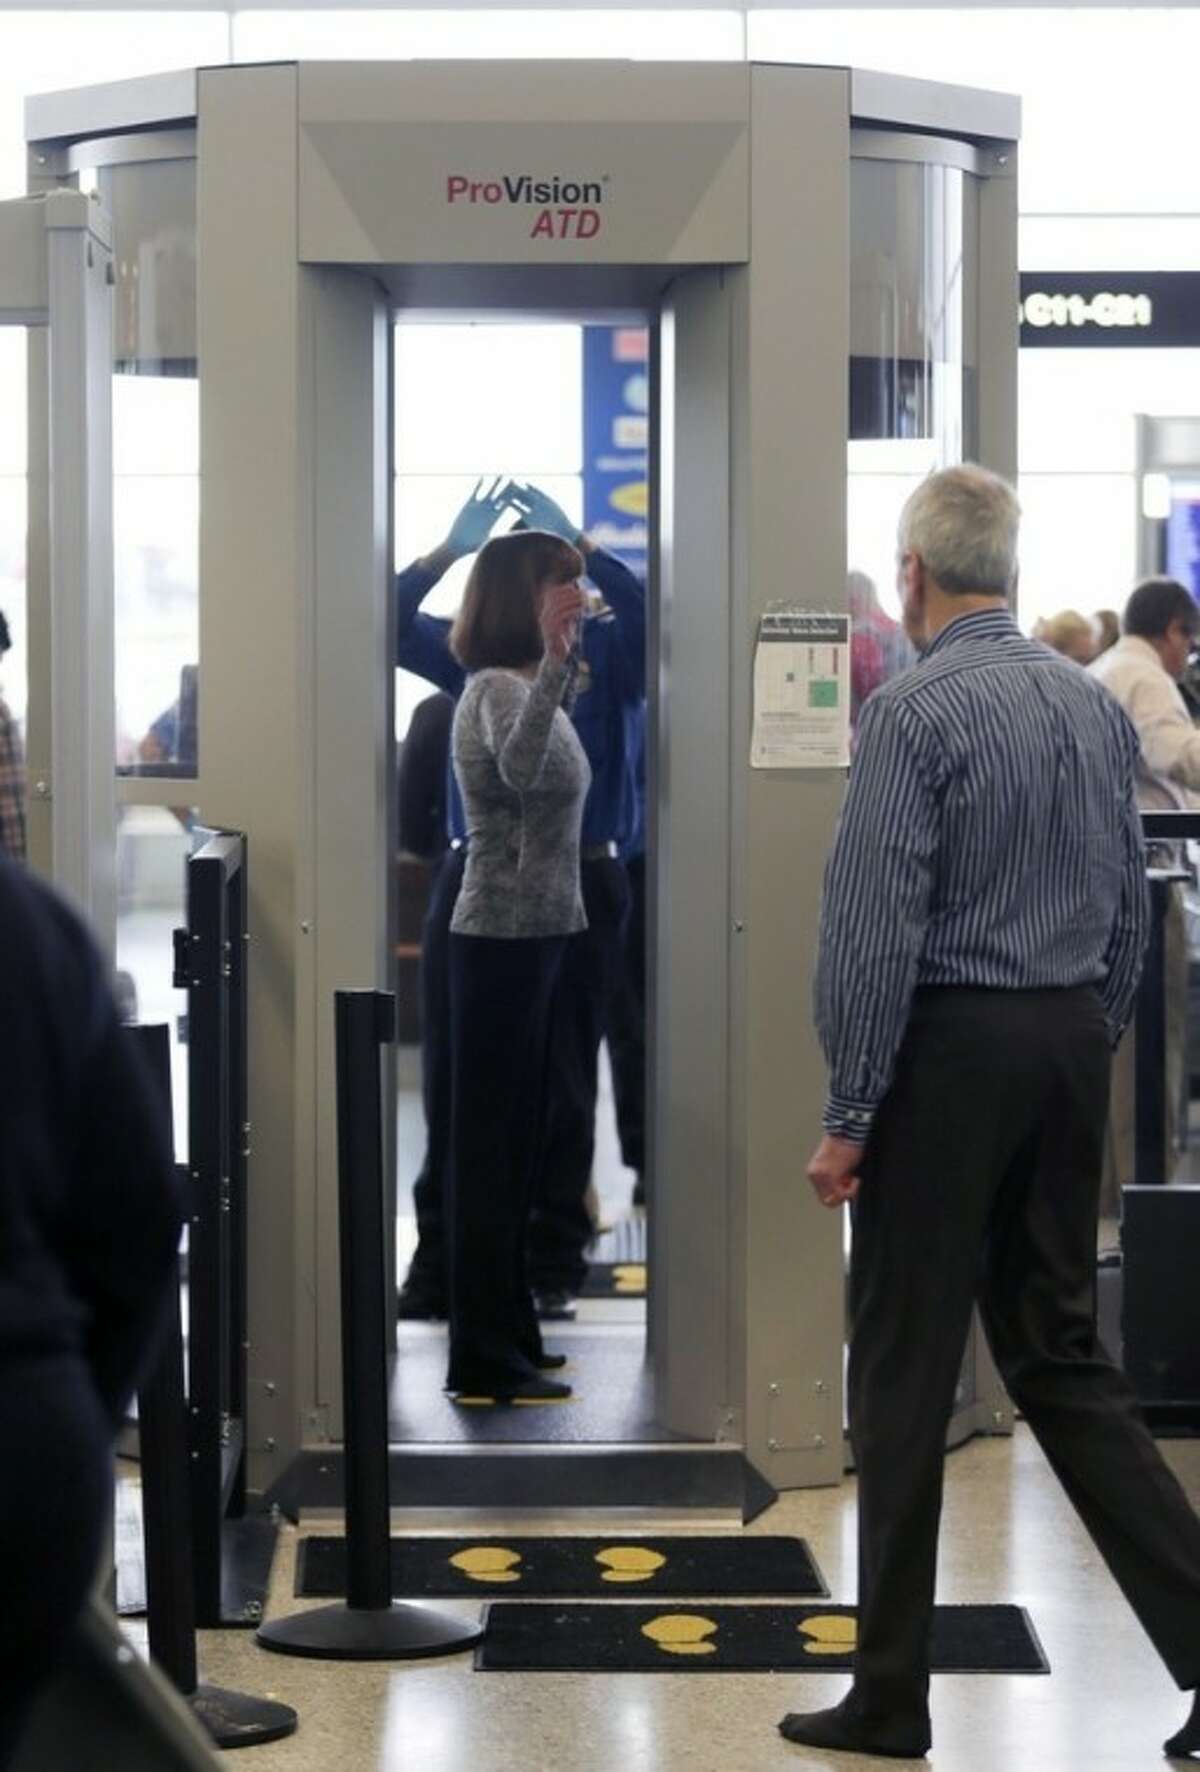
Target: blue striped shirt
[{"x": 989, "y": 838}]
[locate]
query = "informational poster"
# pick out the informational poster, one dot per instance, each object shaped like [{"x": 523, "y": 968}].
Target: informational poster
[
  {"x": 616, "y": 440},
  {"x": 801, "y": 691}
]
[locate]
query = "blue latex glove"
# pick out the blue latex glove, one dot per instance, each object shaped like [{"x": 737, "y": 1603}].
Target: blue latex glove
[
  {"x": 475, "y": 522},
  {"x": 540, "y": 512}
]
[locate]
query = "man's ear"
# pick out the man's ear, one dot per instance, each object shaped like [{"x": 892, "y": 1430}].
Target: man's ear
[
  {"x": 912, "y": 577},
  {"x": 912, "y": 595}
]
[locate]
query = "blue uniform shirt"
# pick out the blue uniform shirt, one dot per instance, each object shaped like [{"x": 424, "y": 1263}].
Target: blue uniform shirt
[
  {"x": 633, "y": 842},
  {"x": 609, "y": 692}
]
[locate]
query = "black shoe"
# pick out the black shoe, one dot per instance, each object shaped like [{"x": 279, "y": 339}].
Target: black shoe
[
  {"x": 534, "y": 1389},
  {"x": 541, "y": 1359},
  {"x": 417, "y": 1303},
  {"x": 844, "y": 1730},
  {"x": 555, "y": 1305}
]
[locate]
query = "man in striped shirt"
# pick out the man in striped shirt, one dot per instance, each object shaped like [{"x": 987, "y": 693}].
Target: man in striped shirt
[{"x": 981, "y": 940}]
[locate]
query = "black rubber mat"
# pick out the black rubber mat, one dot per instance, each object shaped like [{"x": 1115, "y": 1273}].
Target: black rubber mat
[
  {"x": 615, "y": 1279},
  {"x": 736, "y": 1639},
  {"x": 612, "y": 1401},
  {"x": 574, "y": 1568},
  {"x": 617, "y": 1260}
]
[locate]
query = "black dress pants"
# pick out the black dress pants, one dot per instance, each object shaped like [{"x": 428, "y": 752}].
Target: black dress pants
[
  {"x": 627, "y": 1025},
  {"x": 980, "y": 1183},
  {"x": 593, "y": 963},
  {"x": 500, "y": 998},
  {"x": 560, "y": 1229},
  {"x": 428, "y": 1270},
  {"x": 55, "y": 1501}
]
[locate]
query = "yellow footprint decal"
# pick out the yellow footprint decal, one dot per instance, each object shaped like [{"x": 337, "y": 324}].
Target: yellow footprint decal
[
  {"x": 630, "y": 1562},
  {"x": 829, "y": 1633},
  {"x": 487, "y": 1562},
  {"x": 682, "y": 1633}
]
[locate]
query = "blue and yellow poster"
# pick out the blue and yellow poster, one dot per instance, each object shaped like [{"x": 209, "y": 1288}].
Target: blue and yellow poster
[{"x": 616, "y": 440}]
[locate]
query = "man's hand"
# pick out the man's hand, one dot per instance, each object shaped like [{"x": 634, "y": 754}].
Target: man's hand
[
  {"x": 540, "y": 512},
  {"x": 833, "y": 1170},
  {"x": 475, "y": 522}
]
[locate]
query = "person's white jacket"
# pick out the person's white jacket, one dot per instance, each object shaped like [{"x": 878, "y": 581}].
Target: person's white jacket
[{"x": 1169, "y": 765}]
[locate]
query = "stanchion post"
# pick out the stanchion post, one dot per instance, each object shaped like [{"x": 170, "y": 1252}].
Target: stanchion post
[
  {"x": 1150, "y": 1080},
  {"x": 364, "y": 1021},
  {"x": 1153, "y": 1164},
  {"x": 232, "y": 1719},
  {"x": 166, "y": 1507},
  {"x": 371, "y": 1626}
]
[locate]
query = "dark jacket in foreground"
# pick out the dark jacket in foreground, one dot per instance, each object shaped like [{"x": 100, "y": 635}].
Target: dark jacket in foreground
[{"x": 90, "y": 1213}]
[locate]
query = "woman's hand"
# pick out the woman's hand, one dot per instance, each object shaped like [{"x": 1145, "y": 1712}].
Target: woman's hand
[{"x": 559, "y": 617}]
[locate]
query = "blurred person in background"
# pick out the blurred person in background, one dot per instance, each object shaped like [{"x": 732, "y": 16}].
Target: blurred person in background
[
  {"x": 90, "y": 1217},
  {"x": 879, "y": 647},
  {"x": 171, "y": 737},
  {"x": 1143, "y": 670},
  {"x": 12, "y": 770},
  {"x": 169, "y": 746},
  {"x": 626, "y": 1022},
  {"x": 1068, "y": 633},
  {"x": 421, "y": 825},
  {"x": 1106, "y": 629}
]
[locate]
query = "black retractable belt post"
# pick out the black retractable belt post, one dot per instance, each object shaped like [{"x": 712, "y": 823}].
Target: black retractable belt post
[
  {"x": 1153, "y": 1164},
  {"x": 233, "y": 1719},
  {"x": 371, "y": 1626},
  {"x": 363, "y": 1022},
  {"x": 1150, "y": 1081},
  {"x": 1160, "y": 1224}
]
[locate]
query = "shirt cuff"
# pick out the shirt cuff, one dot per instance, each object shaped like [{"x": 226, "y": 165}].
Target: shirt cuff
[{"x": 848, "y": 1119}]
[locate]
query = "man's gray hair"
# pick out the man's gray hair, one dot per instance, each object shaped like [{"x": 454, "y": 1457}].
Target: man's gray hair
[{"x": 963, "y": 522}]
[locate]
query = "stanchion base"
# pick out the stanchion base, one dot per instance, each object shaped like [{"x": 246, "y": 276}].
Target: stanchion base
[
  {"x": 235, "y": 1719},
  {"x": 401, "y": 1632}
]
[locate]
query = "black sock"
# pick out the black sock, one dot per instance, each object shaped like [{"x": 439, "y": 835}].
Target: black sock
[{"x": 842, "y": 1728}]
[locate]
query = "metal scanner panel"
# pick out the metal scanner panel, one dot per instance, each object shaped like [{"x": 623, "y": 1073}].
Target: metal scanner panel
[{"x": 445, "y": 164}]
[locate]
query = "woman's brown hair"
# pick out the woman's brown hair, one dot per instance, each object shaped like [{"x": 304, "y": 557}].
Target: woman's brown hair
[{"x": 497, "y": 624}]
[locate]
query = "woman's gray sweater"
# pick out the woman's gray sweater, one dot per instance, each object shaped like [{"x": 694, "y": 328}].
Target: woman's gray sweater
[{"x": 523, "y": 776}]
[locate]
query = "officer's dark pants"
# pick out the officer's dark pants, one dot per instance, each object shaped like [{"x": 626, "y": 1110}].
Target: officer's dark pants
[
  {"x": 55, "y": 1497},
  {"x": 981, "y": 1182},
  {"x": 560, "y": 1228},
  {"x": 627, "y": 1025},
  {"x": 500, "y": 1014},
  {"x": 427, "y": 1272}
]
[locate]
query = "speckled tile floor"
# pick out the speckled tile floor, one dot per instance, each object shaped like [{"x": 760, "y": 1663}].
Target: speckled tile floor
[{"x": 1008, "y": 1535}]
